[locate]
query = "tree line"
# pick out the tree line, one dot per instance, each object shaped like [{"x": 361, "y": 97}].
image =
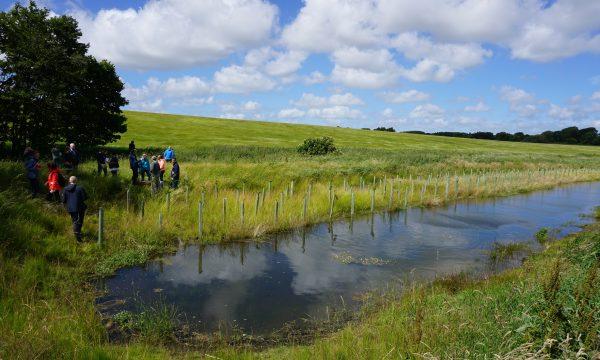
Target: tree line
[
  {"x": 569, "y": 135},
  {"x": 51, "y": 90}
]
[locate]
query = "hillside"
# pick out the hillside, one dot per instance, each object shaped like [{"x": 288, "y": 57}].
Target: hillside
[{"x": 161, "y": 130}]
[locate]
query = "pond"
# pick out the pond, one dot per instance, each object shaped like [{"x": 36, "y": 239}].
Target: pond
[{"x": 258, "y": 287}]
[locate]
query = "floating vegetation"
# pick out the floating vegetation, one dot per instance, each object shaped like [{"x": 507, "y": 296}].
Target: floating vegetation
[
  {"x": 346, "y": 258},
  {"x": 542, "y": 235},
  {"x": 503, "y": 252}
]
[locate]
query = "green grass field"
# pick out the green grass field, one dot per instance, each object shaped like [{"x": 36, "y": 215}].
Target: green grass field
[{"x": 46, "y": 302}]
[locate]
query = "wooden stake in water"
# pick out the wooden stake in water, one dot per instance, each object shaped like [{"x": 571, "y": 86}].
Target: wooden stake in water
[
  {"x": 224, "y": 210},
  {"x": 305, "y": 208},
  {"x": 242, "y": 212},
  {"x": 456, "y": 187},
  {"x": 262, "y": 198},
  {"x": 331, "y": 207},
  {"x": 309, "y": 191},
  {"x": 100, "y": 226},
  {"x": 352, "y": 205},
  {"x": 447, "y": 187},
  {"x": 391, "y": 197},
  {"x": 257, "y": 204},
  {"x": 276, "y": 211},
  {"x": 200, "y": 218},
  {"x": 406, "y": 199},
  {"x": 423, "y": 188},
  {"x": 128, "y": 197},
  {"x": 372, "y": 201}
]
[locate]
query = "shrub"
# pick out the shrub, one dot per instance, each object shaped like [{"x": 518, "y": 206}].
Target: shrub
[{"x": 317, "y": 146}]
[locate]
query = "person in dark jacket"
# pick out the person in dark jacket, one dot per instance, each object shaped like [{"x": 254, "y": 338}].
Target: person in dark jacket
[
  {"x": 131, "y": 146},
  {"x": 57, "y": 156},
  {"x": 113, "y": 165},
  {"x": 32, "y": 167},
  {"x": 175, "y": 174},
  {"x": 101, "y": 161},
  {"x": 74, "y": 156},
  {"x": 133, "y": 165},
  {"x": 155, "y": 168},
  {"x": 74, "y": 198}
]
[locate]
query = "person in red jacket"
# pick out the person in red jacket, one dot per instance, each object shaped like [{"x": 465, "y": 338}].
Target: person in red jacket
[{"x": 55, "y": 182}]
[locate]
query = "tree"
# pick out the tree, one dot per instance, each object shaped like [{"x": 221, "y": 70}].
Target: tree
[{"x": 50, "y": 89}]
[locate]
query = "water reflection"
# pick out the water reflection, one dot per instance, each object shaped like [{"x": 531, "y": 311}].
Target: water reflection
[{"x": 292, "y": 276}]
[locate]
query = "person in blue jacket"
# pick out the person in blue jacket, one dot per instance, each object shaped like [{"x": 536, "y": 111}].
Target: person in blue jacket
[
  {"x": 133, "y": 165},
  {"x": 169, "y": 154},
  {"x": 145, "y": 167},
  {"x": 74, "y": 198}
]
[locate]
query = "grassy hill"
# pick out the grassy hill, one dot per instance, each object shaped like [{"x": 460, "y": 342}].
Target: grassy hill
[{"x": 189, "y": 132}]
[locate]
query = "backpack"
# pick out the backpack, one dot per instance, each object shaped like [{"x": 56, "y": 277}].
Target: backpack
[{"x": 62, "y": 181}]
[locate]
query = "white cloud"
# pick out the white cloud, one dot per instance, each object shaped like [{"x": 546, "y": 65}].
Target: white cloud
[
  {"x": 291, "y": 113},
  {"x": 427, "y": 112},
  {"x": 315, "y": 77},
  {"x": 251, "y": 106},
  {"x": 596, "y": 95},
  {"x": 187, "y": 90},
  {"x": 560, "y": 113},
  {"x": 479, "y": 107},
  {"x": 335, "y": 112},
  {"x": 308, "y": 100},
  {"x": 437, "y": 61},
  {"x": 241, "y": 79},
  {"x": 405, "y": 97},
  {"x": 520, "y": 101},
  {"x": 177, "y": 33},
  {"x": 368, "y": 69}
]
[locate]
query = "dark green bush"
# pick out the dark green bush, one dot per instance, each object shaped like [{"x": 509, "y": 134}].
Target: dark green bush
[{"x": 317, "y": 146}]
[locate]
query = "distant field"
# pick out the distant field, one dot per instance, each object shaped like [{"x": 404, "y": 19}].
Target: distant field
[{"x": 188, "y": 132}]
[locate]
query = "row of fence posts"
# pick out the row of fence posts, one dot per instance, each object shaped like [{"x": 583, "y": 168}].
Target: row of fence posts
[{"x": 492, "y": 182}]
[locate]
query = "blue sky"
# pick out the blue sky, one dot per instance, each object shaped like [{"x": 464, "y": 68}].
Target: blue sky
[{"x": 433, "y": 65}]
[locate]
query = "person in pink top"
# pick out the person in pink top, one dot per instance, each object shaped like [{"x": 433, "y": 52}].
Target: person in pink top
[{"x": 162, "y": 163}]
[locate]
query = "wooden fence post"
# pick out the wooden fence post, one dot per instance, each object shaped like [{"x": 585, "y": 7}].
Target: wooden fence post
[
  {"x": 128, "y": 197},
  {"x": 100, "y": 226},
  {"x": 200, "y": 218}
]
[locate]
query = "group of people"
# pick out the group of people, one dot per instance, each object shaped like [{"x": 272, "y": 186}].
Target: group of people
[
  {"x": 153, "y": 171},
  {"x": 73, "y": 196}
]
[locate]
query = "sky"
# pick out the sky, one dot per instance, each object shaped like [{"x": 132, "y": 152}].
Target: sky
[{"x": 430, "y": 65}]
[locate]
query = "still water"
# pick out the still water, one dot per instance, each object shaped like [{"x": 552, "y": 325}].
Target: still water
[{"x": 260, "y": 286}]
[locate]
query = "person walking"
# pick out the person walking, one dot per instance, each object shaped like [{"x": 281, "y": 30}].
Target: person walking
[
  {"x": 32, "y": 167},
  {"x": 131, "y": 146},
  {"x": 145, "y": 167},
  {"x": 163, "y": 167},
  {"x": 55, "y": 182},
  {"x": 74, "y": 198},
  {"x": 113, "y": 165},
  {"x": 57, "y": 156},
  {"x": 101, "y": 161},
  {"x": 169, "y": 154},
  {"x": 133, "y": 165},
  {"x": 74, "y": 156},
  {"x": 156, "y": 184},
  {"x": 175, "y": 174}
]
